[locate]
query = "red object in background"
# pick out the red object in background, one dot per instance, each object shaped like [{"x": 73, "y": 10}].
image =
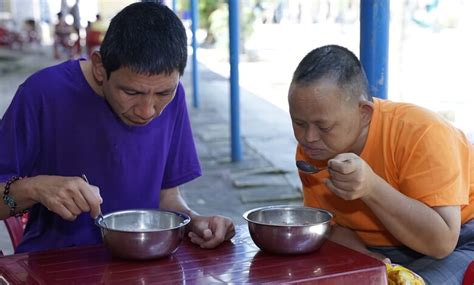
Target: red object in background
[
  {"x": 469, "y": 275},
  {"x": 9, "y": 39},
  {"x": 239, "y": 261},
  {"x": 15, "y": 227},
  {"x": 3, "y": 37},
  {"x": 93, "y": 40}
]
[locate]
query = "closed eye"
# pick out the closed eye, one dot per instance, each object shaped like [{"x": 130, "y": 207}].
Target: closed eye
[
  {"x": 299, "y": 123},
  {"x": 131, "y": 92},
  {"x": 164, "y": 94},
  {"x": 325, "y": 129}
]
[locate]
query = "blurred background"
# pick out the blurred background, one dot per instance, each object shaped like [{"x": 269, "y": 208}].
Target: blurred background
[{"x": 430, "y": 51}]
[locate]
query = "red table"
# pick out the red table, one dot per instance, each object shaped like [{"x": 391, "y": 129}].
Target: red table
[{"x": 238, "y": 262}]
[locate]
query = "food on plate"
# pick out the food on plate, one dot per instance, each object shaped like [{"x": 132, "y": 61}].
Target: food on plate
[{"x": 399, "y": 275}]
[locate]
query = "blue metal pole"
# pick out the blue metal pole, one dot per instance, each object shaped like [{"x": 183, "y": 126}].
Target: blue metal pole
[
  {"x": 174, "y": 6},
  {"x": 194, "y": 26},
  {"x": 234, "y": 79},
  {"x": 374, "y": 30}
]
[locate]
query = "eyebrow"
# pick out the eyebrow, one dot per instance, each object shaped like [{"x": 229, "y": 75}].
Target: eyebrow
[
  {"x": 169, "y": 90},
  {"x": 128, "y": 88},
  {"x": 320, "y": 121}
]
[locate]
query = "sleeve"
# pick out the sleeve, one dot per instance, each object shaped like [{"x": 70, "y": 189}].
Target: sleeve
[
  {"x": 182, "y": 164},
  {"x": 19, "y": 136},
  {"x": 434, "y": 168}
]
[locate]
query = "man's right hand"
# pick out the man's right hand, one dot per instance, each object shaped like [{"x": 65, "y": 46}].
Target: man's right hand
[{"x": 66, "y": 196}]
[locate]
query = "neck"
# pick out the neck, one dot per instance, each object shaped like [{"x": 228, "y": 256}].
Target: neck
[
  {"x": 86, "y": 67},
  {"x": 361, "y": 140}
]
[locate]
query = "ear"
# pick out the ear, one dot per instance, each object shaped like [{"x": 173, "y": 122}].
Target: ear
[
  {"x": 98, "y": 70},
  {"x": 366, "y": 110}
]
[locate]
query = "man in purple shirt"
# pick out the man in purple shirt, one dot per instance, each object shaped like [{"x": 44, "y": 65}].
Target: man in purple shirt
[{"x": 120, "y": 118}]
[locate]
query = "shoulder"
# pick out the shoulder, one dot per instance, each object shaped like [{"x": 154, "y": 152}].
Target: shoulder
[
  {"x": 50, "y": 76},
  {"x": 50, "y": 81},
  {"x": 409, "y": 128},
  {"x": 410, "y": 119},
  {"x": 56, "y": 75},
  {"x": 405, "y": 111}
]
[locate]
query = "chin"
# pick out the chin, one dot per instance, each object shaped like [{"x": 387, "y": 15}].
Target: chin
[
  {"x": 133, "y": 123},
  {"x": 136, "y": 124},
  {"x": 320, "y": 157}
]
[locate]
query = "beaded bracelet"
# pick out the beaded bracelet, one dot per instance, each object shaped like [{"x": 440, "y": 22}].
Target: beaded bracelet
[{"x": 9, "y": 201}]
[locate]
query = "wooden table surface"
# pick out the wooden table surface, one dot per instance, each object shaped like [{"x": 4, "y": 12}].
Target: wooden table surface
[{"x": 236, "y": 262}]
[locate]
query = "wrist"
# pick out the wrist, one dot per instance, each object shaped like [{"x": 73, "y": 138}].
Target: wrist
[
  {"x": 27, "y": 190},
  {"x": 10, "y": 200},
  {"x": 192, "y": 214},
  {"x": 376, "y": 189}
]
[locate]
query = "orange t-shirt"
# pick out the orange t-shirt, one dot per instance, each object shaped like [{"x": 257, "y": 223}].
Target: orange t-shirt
[{"x": 414, "y": 150}]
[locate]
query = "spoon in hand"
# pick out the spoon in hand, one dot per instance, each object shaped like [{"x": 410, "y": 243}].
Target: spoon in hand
[
  {"x": 308, "y": 168},
  {"x": 100, "y": 217}
]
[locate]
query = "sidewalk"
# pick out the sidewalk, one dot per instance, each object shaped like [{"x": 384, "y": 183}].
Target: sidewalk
[{"x": 265, "y": 176}]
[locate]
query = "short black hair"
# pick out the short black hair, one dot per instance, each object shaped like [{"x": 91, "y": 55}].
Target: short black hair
[
  {"x": 336, "y": 63},
  {"x": 146, "y": 37}
]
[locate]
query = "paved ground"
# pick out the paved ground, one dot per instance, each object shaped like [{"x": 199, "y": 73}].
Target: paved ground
[{"x": 266, "y": 175}]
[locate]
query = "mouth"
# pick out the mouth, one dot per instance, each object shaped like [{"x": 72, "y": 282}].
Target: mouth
[
  {"x": 314, "y": 152},
  {"x": 137, "y": 123},
  {"x": 133, "y": 120},
  {"x": 310, "y": 149}
]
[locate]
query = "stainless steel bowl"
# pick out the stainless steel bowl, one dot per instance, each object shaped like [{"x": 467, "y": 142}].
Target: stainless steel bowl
[
  {"x": 288, "y": 229},
  {"x": 142, "y": 233}
]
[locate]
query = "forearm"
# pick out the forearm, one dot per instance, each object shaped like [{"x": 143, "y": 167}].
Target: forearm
[
  {"x": 411, "y": 222},
  {"x": 171, "y": 199},
  {"x": 347, "y": 238},
  {"x": 350, "y": 239}
]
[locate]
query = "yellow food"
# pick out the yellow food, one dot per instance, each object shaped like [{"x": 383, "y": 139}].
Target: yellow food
[{"x": 399, "y": 275}]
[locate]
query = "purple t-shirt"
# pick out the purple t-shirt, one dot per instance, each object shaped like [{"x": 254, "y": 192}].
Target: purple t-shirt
[{"x": 57, "y": 125}]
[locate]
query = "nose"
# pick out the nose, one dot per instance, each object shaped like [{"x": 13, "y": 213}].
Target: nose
[
  {"x": 312, "y": 134},
  {"x": 145, "y": 109}
]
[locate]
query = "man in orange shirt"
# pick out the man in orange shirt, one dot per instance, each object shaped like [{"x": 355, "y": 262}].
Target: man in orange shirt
[{"x": 400, "y": 179}]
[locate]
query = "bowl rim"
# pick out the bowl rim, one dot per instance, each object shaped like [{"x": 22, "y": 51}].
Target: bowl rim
[
  {"x": 186, "y": 219},
  {"x": 287, "y": 207}
]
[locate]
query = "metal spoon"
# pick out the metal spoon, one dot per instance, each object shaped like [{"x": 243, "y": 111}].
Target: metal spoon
[
  {"x": 100, "y": 217},
  {"x": 308, "y": 168}
]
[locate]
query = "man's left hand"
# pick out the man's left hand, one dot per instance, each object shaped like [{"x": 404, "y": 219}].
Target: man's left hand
[{"x": 210, "y": 231}]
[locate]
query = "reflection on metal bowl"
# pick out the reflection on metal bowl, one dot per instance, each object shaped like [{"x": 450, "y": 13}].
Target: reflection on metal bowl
[
  {"x": 288, "y": 229},
  {"x": 142, "y": 233}
]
